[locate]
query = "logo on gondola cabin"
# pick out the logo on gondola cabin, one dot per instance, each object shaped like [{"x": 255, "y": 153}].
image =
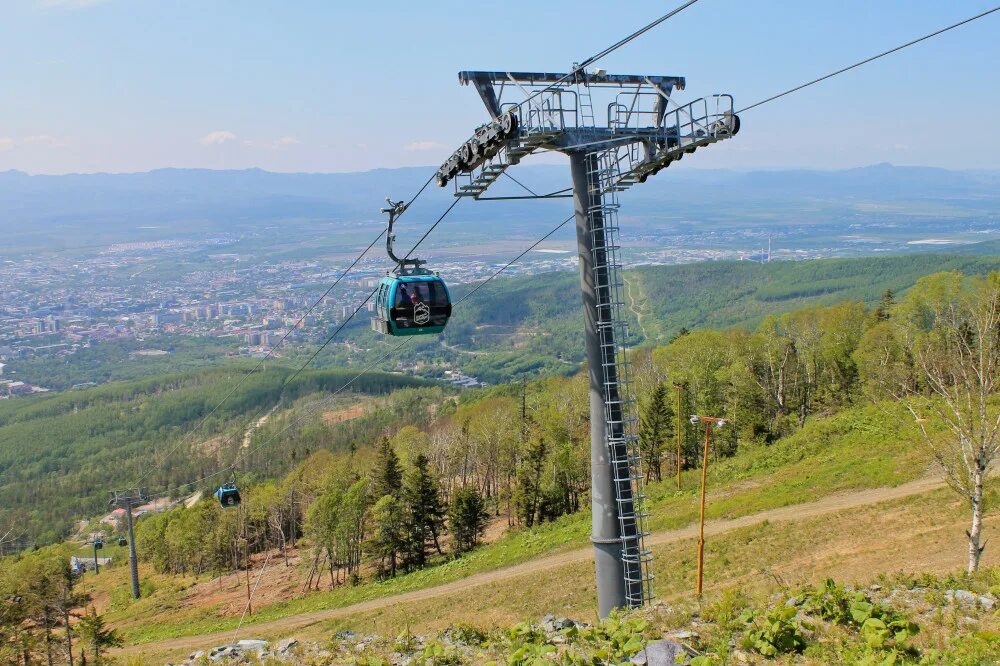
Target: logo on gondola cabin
[{"x": 421, "y": 313}]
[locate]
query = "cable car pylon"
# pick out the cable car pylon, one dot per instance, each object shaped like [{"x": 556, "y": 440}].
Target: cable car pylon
[{"x": 642, "y": 131}]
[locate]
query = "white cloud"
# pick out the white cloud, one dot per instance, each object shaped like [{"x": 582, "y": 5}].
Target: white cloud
[
  {"x": 287, "y": 141},
  {"x": 6, "y": 143},
  {"x": 40, "y": 138},
  {"x": 218, "y": 137},
  {"x": 417, "y": 146}
]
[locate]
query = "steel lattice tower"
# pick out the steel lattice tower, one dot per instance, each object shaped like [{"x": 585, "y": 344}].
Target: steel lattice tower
[{"x": 643, "y": 131}]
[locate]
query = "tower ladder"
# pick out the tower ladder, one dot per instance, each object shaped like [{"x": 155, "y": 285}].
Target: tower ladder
[{"x": 603, "y": 173}]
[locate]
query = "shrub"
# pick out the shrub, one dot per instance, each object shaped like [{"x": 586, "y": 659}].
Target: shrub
[{"x": 778, "y": 632}]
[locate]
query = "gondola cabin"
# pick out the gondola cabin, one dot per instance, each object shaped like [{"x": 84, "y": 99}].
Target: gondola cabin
[
  {"x": 228, "y": 495},
  {"x": 415, "y": 304}
]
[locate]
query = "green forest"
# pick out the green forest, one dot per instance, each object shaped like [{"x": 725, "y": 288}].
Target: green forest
[
  {"x": 532, "y": 326},
  {"x": 416, "y": 476},
  {"x": 420, "y": 494},
  {"x": 61, "y": 454}
]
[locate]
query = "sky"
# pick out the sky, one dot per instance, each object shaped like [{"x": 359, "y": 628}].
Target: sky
[{"x": 335, "y": 85}]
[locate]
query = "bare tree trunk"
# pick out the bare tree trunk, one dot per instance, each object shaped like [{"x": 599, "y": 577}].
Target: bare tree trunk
[
  {"x": 69, "y": 629},
  {"x": 312, "y": 570},
  {"x": 48, "y": 635},
  {"x": 975, "y": 532}
]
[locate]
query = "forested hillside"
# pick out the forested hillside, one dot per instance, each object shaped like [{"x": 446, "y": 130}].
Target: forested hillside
[
  {"x": 414, "y": 481},
  {"x": 61, "y": 455},
  {"x": 416, "y": 495},
  {"x": 533, "y": 324}
]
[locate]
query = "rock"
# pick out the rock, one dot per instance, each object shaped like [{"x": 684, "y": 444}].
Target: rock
[
  {"x": 791, "y": 602},
  {"x": 682, "y": 635},
  {"x": 345, "y": 635},
  {"x": 252, "y": 645},
  {"x": 660, "y": 653},
  {"x": 967, "y": 598},
  {"x": 286, "y": 645}
]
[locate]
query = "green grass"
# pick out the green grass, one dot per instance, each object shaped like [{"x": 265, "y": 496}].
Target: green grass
[{"x": 821, "y": 459}]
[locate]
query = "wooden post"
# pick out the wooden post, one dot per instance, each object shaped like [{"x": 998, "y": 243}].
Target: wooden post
[{"x": 701, "y": 521}]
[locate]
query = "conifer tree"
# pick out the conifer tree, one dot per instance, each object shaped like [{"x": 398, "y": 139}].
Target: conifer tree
[
  {"x": 467, "y": 518},
  {"x": 884, "y": 309},
  {"x": 529, "y": 482},
  {"x": 425, "y": 512},
  {"x": 655, "y": 429},
  {"x": 93, "y": 633},
  {"x": 388, "y": 473}
]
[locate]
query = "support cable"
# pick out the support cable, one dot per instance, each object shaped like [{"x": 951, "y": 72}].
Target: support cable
[
  {"x": 260, "y": 363},
  {"x": 316, "y": 353},
  {"x": 432, "y": 227},
  {"x": 589, "y": 61},
  {"x": 871, "y": 59},
  {"x": 320, "y": 405},
  {"x": 365, "y": 302},
  {"x": 571, "y": 76},
  {"x": 250, "y": 598},
  {"x": 270, "y": 351},
  {"x": 398, "y": 346},
  {"x": 523, "y": 186}
]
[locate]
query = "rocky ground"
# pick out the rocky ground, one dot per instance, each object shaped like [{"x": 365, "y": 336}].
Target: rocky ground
[
  {"x": 925, "y": 622},
  {"x": 462, "y": 645}
]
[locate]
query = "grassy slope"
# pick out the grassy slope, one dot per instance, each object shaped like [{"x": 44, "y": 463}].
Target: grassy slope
[
  {"x": 921, "y": 534},
  {"x": 819, "y": 460}
]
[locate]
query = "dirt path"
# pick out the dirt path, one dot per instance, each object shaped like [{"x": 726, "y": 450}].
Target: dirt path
[
  {"x": 827, "y": 505},
  {"x": 258, "y": 423},
  {"x": 632, "y": 306},
  {"x": 458, "y": 350}
]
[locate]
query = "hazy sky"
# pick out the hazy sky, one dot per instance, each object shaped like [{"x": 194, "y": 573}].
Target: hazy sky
[{"x": 335, "y": 85}]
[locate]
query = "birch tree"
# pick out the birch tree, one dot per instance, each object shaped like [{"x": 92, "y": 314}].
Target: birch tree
[{"x": 948, "y": 329}]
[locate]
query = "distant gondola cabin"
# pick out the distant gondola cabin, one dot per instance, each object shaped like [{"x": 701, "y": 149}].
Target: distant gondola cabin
[
  {"x": 228, "y": 495},
  {"x": 417, "y": 304}
]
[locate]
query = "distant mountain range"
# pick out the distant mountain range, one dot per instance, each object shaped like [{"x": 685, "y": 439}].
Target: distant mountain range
[{"x": 36, "y": 209}]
